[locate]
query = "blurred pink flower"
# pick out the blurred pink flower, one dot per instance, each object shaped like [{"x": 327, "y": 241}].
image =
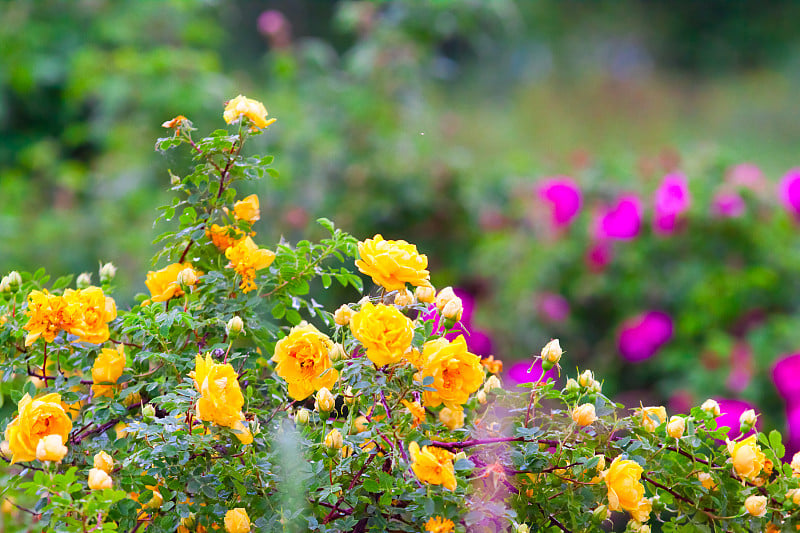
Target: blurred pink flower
[
  {"x": 786, "y": 376},
  {"x": 564, "y": 197},
  {"x": 622, "y": 221},
  {"x": 730, "y": 411},
  {"x": 642, "y": 336},
  {"x": 552, "y": 307},
  {"x": 746, "y": 175},
  {"x": 728, "y": 204},
  {"x": 478, "y": 342},
  {"x": 789, "y": 192},
  {"x": 518, "y": 373},
  {"x": 671, "y": 200},
  {"x": 741, "y": 367},
  {"x": 599, "y": 255},
  {"x": 276, "y": 27}
]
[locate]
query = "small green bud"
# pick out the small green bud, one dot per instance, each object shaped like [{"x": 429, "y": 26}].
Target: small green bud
[
  {"x": 148, "y": 412},
  {"x": 84, "y": 280},
  {"x": 107, "y": 272}
]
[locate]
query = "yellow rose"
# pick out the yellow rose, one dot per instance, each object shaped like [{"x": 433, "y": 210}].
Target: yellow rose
[
  {"x": 163, "y": 284},
  {"x": 456, "y": 372},
  {"x": 492, "y": 365},
  {"x": 425, "y": 293},
  {"x": 104, "y": 462},
  {"x": 324, "y": 400},
  {"x": 334, "y": 439},
  {"x": 92, "y": 310},
  {"x": 246, "y": 258},
  {"x": 452, "y": 418},
  {"x": 676, "y": 427},
  {"x": 756, "y": 505},
  {"x": 237, "y": 521},
  {"x": 652, "y": 417},
  {"x": 795, "y": 464},
  {"x": 444, "y": 297},
  {"x": 625, "y": 491},
  {"x": 343, "y": 315},
  {"x": 246, "y": 107},
  {"x": 221, "y": 398},
  {"x": 433, "y": 465},
  {"x": 439, "y": 524},
  {"x": 48, "y": 315},
  {"x": 36, "y": 419},
  {"x": 303, "y": 360},
  {"x": 247, "y": 209},
  {"x": 99, "y": 480},
  {"x": 584, "y": 414},
  {"x": 385, "y": 332},
  {"x": 392, "y": 264},
  {"x": 51, "y": 448},
  {"x": 417, "y": 412},
  {"x": 223, "y": 237},
  {"x": 107, "y": 368},
  {"x": 747, "y": 457}
]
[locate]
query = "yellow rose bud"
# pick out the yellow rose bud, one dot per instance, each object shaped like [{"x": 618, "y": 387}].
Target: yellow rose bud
[
  {"x": 187, "y": 277},
  {"x": 99, "y": 480},
  {"x": 756, "y": 505},
  {"x": 51, "y": 448},
  {"x": 425, "y": 294},
  {"x": 522, "y": 528},
  {"x": 5, "y": 449},
  {"x": 403, "y": 298},
  {"x": 334, "y": 440},
  {"x": 324, "y": 401},
  {"x": 747, "y": 458},
  {"x": 711, "y": 407},
  {"x": 349, "y": 396},
  {"x": 652, "y": 417},
  {"x": 584, "y": 415},
  {"x": 343, "y": 315},
  {"x": 747, "y": 420},
  {"x": 14, "y": 280},
  {"x": 84, "y": 280},
  {"x": 492, "y": 383},
  {"x": 234, "y": 326},
  {"x": 586, "y": 379},
  {"x": 7, "y": 506},
  {"x": 676, "y": 427},
  {"x": 107, "y": 272},
  {"x": 346, "y": 452},
  {"x": 444, "y": 296},
  {"x": 302, "y": 415},
  {"x": 360, "y": 424},
  {"x": 452, "y": 418},
  {"x": 551, "y": 353},
  {"x": 453, "y": 309},
  {"x": 793, "y": 495},
  {"x": 104, "y": 462},
  {"x": 188, "y": 522},
  {"x": 237, "y": 521},
  {"x": 337, "y": 353},
  {"x": 481, "y": 396}
]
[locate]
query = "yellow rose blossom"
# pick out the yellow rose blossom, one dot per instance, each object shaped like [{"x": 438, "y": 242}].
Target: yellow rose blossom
[
  {"x": 437, "y": 524},
  {"x": 223, "y": 237},
  {"x": 107, "y": 369},
  {"x": 103, "y": 461},
  {"x": 99, "y": 480},
  {"x": 247, "y": 209},
  {"x": 392, "y": 264},
  {"x": 51, "y": 448},
  {"x": 795, "y": 465},
  {"x": 747, "y": 457},
  {"x": 385, "y": 332},
  {"x": 237, "y": 521},
  {"x": 174, "y": 123},
  {"x": 91, "y": 312},
  {"x": 47, "y": 316},
  {"x": 676, "y": 427},
  {"x": 433, "y": 465},
  {"x": 36, "y": 419},
  {"x": 163, "y": 284},
  {"x": 452, "y": 418},
  {"x": 584, "y": 414},
  {"x": 221, "y": 399},
  {"x": 343, "y": 315},
  {"x": 625, "y": 491},
  {"x": 425, "y": 293},
  {"x": 652, "y": 417},
  {"x": 246, "y": 258},
  {"x": 756, "y": 505},
  {"x": 456, "y": 372},
  {"x": 706, "y": 480},
  {"x": 417, "y": 412},
  {"x": 303, "y": 361},
  {"x": 246, "y": 107}
]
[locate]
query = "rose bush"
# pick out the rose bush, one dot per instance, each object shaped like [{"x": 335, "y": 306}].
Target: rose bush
[{"x": 228, "y": 398}]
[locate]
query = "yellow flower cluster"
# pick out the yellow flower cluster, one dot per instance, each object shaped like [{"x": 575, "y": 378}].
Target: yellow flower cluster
[
  {"x": 246, "y": 258},
  {"x": 303, "y": 360},
  {"x": 221, "y": 399},
  {"x": 107, "y": 369},
  {"x": 163, "y": 284},
  {"x": 437, "y": 524},
  {"x": 392, "y": 264},
  {"x": 37, "y": 419},
  {"x": 384, "y": 331},
  {"x": 83, "y": 312}
]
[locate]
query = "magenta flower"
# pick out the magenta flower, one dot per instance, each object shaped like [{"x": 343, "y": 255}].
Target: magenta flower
[
  {"x": 552, "y": 307},
  {"x": 518, "y": 373},
  {"x": 728, "y": 204},
  {"x": 730, "y": 411},
  {"x": 789, "y": 192},
  {"x": 741, "y": 367},
  {"x": 671, "y": 200},
  {"x": 564, "y": 198},
  {"x": 786, "y": 376},
  {"x": 622, "y": 221},
  {"x": 599, "y": 256},
  {"x": 746, "y": 175},
  {"x": 478, "y": 342},
  {"x": 642, "y": 336}
]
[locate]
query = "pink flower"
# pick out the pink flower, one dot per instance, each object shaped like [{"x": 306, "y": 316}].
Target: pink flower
[
  {"x": 730, "y": 411},
  {"x": 642, "y": 336},
  {"x": 552, "y": 307},
  {"x": 599, "y": 256},
  {"x": 789, "y": 192},
  {"x": 478, "y": 342},
  {"x": 741, "y": 367},
  {"x": 564, "y": 198},
  {"x": 786, "y": 376},
  {"x": 671, "y": 200},
  {"x": 746, "y": 175},
  {"x": 622, "y": 221},
  {"x": 519, "y": 373},
  {"x": 728, "y": 204}
]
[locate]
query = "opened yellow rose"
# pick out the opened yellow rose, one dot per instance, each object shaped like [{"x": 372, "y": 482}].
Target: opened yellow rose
[
  {"x": 303, "y": 360},
  {"x": 652, "y": 417},
  {"x": 385, "y": 332},
  {"x": 456, "y": 372},
  {"x": 246, "y": 258},
  {"x": 747, "y": 457},
  {"x": 392, "y": 264},
  {"x": 247, "y": 107},
  {"x": 625, "y": 491},
  {"x": 237, "y": 521},
  {"x": 107, "y": 369},
  {"x": 247, "y": 209},
  {"x": 92, "y": 310},
  {"x": 221, "y": 399},
  {"x": 163, "y": 284},
  {"x": 36, "y": 420},
  {"x": 584, "y": 414},
  {"x": 433, "y": 465}
]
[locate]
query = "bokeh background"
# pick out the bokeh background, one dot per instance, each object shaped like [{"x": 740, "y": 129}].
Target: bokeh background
[{"x": 523, "y": 145}]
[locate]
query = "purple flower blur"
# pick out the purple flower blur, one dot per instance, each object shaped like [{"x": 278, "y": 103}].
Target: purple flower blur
[
  {"x": 622, "y": 221},
  {"x": 478, "y": 342},
  {"x": 518, "y": 373},
  {"x": 746, "y": 175},
  {"x": 728, "y": 204},
  {"x": 786, "y": 376},
  {"x": 671, "y": 200},
  {"x": 599, "y": 256},
  {"x": 642, "y": 336},
  {"x": 564, "y": 197},
  {"x": 552, "y": 307},
  {"x": 730, "y": 411},
  {"x": 789, "y": 192}
]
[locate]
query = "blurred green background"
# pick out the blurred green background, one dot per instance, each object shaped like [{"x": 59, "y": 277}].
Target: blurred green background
[{"x": 433, "y": 121}]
